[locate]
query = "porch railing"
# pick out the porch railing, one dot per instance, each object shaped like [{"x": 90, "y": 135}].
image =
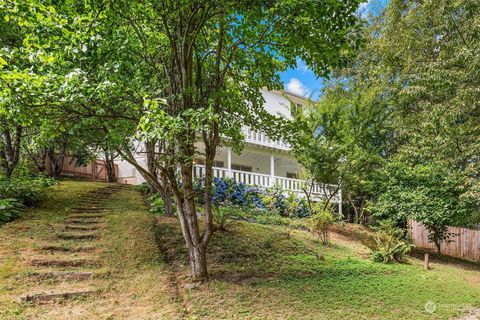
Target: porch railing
[
  {"x": 260, "y": 180},
  {"x": 258, "y": 137}
]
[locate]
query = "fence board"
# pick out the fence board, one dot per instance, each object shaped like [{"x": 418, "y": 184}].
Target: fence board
[
  {"x": 94, "y": 169},
  {"x": 465, "y": 242}
]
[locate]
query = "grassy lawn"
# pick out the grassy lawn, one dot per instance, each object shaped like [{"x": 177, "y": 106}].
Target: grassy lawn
[
  {"x": 258, "y": 271},
  {"x": 263, "y": 272}
]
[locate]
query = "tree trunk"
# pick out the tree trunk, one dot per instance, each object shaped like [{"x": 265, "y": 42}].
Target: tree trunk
[
  {"x": 198, "y": 262},
  {"x": 165, "y": 193},
  {"x": 40, "y": 160},
  {"x": 186, "y": 209},
  {"x": 57, "y": 162},
  {"x": 10, "y": 151},
  {"x": 110, "y": 166}
]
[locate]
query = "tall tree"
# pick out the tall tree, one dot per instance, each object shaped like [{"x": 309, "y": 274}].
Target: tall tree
[
  {"x": 431, "y": 52},
  {"x": 214, "y": 57}
]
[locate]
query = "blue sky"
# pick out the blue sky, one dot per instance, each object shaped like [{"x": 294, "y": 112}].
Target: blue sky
[{"x": 302, "y": 80}]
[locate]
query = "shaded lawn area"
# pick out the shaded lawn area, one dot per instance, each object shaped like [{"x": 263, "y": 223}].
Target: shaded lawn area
[{"x": 262, "y": 271}]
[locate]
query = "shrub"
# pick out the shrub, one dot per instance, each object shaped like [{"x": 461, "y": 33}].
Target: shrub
[
  {"x": 387, "y": 244},
  {"x": 156, "y": 204},
  {"x": 10, "y": 209},
  {"x": 321, "y": 221},
  {"x": 226, "y": 191},
  {"x": 222, "y": 214},
  {"x": 27, "y": 190},
  {"x": 145, "y": 188}
]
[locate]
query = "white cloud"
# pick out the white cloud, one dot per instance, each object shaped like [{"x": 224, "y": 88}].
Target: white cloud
[
  {"x": 364, "y": 9},
  {"x": 295, "y": 86},
  {"x": 363, "y": 6},
  {"x": 302, "y": 66}
]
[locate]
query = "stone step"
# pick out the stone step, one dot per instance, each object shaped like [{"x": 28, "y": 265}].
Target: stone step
[
  {"x": 56, "y": 248},
  {"x": 41, "y": 262},
  {"x": 63, "y": 275},
  {"x": 88, "y": 209},
  {"x": 79, "y": 227},
  {"x": 82, "y": 221},
  {"x": 77, "y": 236},
  {"x": 85, "y": 216},
  {"x": 52, "y": 296}
]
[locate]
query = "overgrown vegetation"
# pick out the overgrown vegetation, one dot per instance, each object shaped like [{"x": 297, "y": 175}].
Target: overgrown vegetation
[
  {"x": 399, "y": 124},
  {"x": 388, "y": 243},
  {"x": 321, "y": 222},
  {"x": 21, "y": 190}
]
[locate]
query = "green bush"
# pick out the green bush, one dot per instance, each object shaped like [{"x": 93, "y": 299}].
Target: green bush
[
  {"x": 321, "y": 221},
  {"x": 144, "y": 188},
  {"x": 29, "y": 191},
  {"x": 156, "y": 204},
  {"x": 10, "y": 209},
  {"x": 22, "y": 190},
  {"x": 387, "y": 244},
  {"x": 221, "y": 214}
]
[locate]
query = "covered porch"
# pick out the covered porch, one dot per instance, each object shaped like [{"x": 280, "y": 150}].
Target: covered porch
[{"x": 264, "y": 169}]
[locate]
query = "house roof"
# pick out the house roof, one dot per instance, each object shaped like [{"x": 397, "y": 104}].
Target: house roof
[{"x": 295, "y": 97}]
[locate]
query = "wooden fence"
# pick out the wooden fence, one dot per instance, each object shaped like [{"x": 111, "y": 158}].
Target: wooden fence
[
  {"x": 465, "y": 243},
  {"x": 95, "y": 169}
]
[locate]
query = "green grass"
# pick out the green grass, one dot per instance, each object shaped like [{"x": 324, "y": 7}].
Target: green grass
[
  {"x": 261, "y": 272},
  {"x": 258, "y": 271}
]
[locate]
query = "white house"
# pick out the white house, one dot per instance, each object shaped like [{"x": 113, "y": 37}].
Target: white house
[{"x": 263, "y": 162}]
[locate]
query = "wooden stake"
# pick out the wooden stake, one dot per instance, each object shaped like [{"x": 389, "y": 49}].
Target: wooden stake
[{"x": 425, "y": 262}]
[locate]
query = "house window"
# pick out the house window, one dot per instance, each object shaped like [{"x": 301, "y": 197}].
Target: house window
[
  {"x": 239, "y": 167},
  {"x": 292, "y": 175}
]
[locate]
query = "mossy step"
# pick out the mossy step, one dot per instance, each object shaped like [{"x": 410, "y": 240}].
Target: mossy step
[
  {"x": 67, "y": 248},
  {"x": 64, "y": 275},
  {"x": 40, "y": 262},
  {"x": 85, "y": 216},
  {"x": 88, "y": 209},
  {"x": 53, "y": 296},
  {"x": 78, "y": 227},
  {"x": 82, "y": 221},
  {"x": 77, "y": 236}
]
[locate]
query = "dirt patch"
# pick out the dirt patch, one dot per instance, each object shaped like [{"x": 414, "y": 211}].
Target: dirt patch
[{"x": 473, "y": 314}]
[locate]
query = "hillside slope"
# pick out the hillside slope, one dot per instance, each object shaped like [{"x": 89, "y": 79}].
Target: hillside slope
[{"x": 134, "y": 266}]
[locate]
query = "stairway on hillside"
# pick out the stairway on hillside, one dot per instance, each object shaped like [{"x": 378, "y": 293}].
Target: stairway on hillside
[{"x": 64, "y": 268}]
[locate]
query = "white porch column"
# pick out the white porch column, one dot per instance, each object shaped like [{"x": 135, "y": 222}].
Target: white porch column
[
  {"x": 272, "y": 170},
  {"x": 229, "y": 163},
  {"x": 340, "y": 199}
]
